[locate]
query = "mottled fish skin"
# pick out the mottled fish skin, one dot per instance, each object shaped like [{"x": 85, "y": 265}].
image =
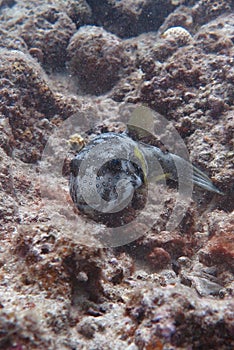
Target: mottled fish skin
[
  {"x": 109, "y": 177},
  {"x": 129, "y": 171}
]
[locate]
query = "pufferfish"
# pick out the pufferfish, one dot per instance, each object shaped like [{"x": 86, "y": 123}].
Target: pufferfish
[{"x": 109, "y": 176}]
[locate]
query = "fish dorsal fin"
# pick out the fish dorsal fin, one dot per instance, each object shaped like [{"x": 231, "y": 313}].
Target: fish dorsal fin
[{"x": 141, "y": 124}]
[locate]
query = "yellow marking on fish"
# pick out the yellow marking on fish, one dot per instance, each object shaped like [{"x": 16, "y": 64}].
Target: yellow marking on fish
[
  {"x": 138, "y": 154},
  {"x": 161, "y": 177}
]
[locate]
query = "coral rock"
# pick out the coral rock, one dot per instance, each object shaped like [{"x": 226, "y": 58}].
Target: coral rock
[
  {"x": 159, "y": 258},
  {"x": 49, "y": 30},
  {"x": 130, "y": 18},
  {"x": 205, "y": 10},
  {"x": 96, "y": 59},
  {"x": 178, "y": 34},
  {"x": 220, "y": 248}
]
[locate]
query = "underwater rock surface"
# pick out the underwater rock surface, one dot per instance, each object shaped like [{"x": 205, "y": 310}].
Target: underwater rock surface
[
  {"x": 96, "y": 59},
  {"x": 169, "y": 289}
]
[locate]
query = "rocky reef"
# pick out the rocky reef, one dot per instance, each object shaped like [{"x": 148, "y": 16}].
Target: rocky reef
[
  {"x": 103, "y": 61},
  {"x": 60, "y": 288}
]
